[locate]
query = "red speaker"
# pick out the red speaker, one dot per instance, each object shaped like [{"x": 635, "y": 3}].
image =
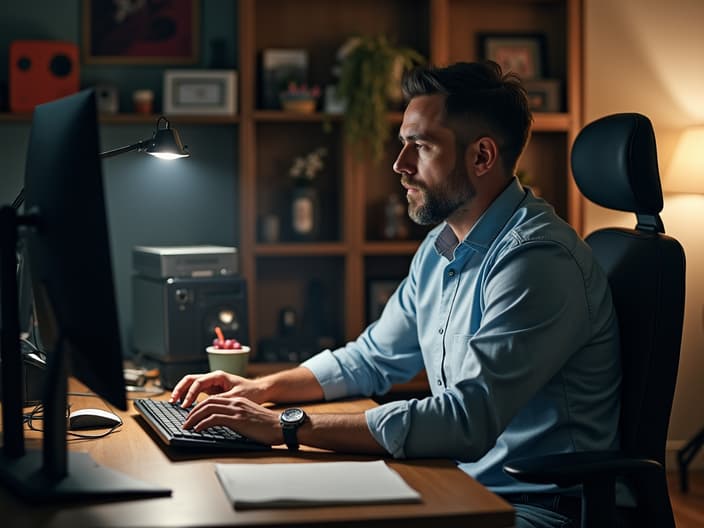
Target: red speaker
[{"x": 41, "y": 71}]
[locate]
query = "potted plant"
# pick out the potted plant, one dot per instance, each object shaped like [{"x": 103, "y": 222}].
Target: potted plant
[{"x": 370, "y": 71}]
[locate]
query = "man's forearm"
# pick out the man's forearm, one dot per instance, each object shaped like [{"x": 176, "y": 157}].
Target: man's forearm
[
  {"x": 344, "y": 433},
  {"x": 293, "y": 385},
  {"x": 338, "y": 432}
]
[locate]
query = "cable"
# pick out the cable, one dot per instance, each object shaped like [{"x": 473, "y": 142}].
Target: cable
[{"x": 36, "y": 414}]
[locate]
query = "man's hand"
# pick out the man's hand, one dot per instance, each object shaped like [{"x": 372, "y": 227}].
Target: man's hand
[
  {"x": 216, "y": 383},
  {"x": 239, "y": 414},
  {"x": 297, "y": 384}
]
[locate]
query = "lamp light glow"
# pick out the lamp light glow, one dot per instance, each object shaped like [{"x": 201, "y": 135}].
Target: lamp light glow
[
  {"x": 166, "y": 143},
  {"x": 686, "y": 172}
]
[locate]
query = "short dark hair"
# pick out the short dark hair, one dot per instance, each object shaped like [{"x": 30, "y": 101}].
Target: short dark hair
[{"x": 478, "y": 95}]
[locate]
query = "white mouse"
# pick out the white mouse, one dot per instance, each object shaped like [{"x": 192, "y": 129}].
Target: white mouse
[{"x": 93, "y": 419}]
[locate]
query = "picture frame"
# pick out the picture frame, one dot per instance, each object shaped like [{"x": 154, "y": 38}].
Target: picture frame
[
  {"x": 203, "y": 92},
  {"x": 279, "y": 67},
  {"x": 167, "y": 32},
  {"x": 522, "y": 54},
  {"x": 544, "y": 95},
  {"x": 378, "y": 293}
]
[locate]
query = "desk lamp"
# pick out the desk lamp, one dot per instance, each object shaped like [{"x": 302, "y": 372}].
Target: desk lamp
[
  {"x": 164, "y": 144},
  {"x": 686, "y": 175}
]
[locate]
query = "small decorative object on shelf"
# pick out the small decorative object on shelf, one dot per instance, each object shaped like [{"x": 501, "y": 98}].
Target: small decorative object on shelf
[
  {"x": 143, "y": 101},
  {"x": 279, "y": 68},
  {"x": 108, "y": 98},
  {"x": 300, "y": 98},
  {"x": 395, "y": 223},
  {"x": 305, "y": 204}
]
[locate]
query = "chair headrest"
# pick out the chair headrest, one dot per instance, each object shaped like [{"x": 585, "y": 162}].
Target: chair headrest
[{"x": 615, "y": 164}]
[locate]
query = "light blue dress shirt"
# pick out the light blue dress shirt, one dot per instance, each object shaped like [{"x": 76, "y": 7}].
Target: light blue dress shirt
[{"x": 516, "y": 329}]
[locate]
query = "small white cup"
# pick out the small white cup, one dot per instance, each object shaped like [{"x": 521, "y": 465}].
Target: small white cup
[{"x": 233, "y": 360}]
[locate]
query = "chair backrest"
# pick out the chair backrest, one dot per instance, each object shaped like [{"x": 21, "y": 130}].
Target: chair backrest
[{"x": 614, "y": 161}]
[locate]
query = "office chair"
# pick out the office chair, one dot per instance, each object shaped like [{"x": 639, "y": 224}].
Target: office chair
[{"x": 614, "y": 161}]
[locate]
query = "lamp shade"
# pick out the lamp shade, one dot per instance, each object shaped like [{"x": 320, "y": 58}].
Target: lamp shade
[
  {"x": 166, "y": 143},
  {"x": 686, "y": 173}
]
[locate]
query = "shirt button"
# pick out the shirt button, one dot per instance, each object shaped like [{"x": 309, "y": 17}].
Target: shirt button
[
  {"x": 439, "y": 382},
  {"x": 451, "y": 273},
  {"x": 440, "y": 331}
]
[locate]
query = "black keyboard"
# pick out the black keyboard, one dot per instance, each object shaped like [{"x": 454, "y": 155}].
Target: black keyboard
[{"x": 166, "y": 420}]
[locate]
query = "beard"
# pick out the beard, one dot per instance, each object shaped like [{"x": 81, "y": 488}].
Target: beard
[{"x": 431, "y": 206}]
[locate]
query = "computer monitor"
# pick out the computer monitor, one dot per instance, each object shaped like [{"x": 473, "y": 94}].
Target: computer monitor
[{"x": 68, "y": 251}]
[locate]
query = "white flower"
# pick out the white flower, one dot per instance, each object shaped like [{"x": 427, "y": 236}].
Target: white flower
[{"x": 308, "y": 166}]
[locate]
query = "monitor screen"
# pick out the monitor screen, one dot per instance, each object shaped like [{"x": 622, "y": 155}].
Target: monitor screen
[{"x": 69, "y": 250}]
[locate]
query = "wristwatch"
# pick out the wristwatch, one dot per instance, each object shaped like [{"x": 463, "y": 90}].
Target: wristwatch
[{"x": 290, "y": 420}]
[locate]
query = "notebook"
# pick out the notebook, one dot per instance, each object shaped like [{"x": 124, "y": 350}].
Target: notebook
[{"x": 250, "y": 486}]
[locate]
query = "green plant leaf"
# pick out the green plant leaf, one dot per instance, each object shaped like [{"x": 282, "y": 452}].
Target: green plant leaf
[{"x": 366, "y": 74}]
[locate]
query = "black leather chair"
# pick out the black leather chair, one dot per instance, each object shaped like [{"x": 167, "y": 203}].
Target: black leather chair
[{"x": 614, "y": 162}]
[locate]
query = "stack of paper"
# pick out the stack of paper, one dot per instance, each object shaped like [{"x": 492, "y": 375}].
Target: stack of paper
[{"x": 313, "y": 484}]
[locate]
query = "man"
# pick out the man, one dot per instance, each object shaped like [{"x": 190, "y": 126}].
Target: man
[{"x": 503, "y": 306}]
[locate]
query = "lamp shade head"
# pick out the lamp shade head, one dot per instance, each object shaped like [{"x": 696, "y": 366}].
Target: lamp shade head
[
  {"x": 166, "y": 144},
  {"x": 686, "y": 173}
]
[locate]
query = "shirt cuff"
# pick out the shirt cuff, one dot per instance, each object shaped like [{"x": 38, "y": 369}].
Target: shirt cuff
[
  {"x": 328, "y": 372},
  {"x": 389, "y": 425}
]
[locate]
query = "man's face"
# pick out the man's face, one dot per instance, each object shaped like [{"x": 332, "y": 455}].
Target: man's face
[{"x": 432, "y": 171}]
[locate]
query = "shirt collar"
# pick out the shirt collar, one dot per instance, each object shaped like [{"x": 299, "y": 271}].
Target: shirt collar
[{"x": 489, "y": 225}]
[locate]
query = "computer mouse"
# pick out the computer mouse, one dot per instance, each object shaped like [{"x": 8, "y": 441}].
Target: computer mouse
[{"x": 93, "y": 419}]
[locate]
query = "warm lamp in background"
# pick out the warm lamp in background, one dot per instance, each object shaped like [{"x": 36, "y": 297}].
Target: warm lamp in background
[{"x": 686, "y": 174}]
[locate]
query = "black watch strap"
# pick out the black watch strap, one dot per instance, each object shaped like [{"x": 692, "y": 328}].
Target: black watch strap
[
  {"x": 291, "y": 420},
  {"x": 291, "y": 437}
]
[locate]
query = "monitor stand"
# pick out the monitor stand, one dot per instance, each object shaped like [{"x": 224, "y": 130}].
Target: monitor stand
[{"x": 54, "y": 473}]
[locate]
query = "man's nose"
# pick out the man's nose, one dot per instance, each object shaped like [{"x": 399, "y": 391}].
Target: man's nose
[{"x": 403, "y": 163}]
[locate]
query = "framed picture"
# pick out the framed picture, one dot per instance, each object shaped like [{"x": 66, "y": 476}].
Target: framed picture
[
  {"x": 378, "y": 293},
  {"x": 522, "y": 54},
  {"x": 205, "y": 92},
  {"x": 544, "y": 95},
  {"x": 279, "y": 67},
  {"x": 164, "y": 32}
]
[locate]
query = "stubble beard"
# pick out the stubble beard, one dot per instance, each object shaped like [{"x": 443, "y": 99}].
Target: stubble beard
[{"x": 432, "y": 206}]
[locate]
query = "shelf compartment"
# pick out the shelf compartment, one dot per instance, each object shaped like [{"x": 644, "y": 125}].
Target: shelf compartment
[
  {"x": 382, "y": 276},
  {"x": 279, "y": 143},
  {"x": 403, "y": 21},
  {"x": 310, "y": 286},
  {"x": 545, "y": 165}
]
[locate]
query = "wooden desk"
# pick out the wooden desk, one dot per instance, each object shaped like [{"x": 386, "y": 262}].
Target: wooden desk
[{"x": 450, "y": 497}]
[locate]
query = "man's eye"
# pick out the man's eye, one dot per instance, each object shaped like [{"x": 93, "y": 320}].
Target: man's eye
[{"x": 419, "y": 146}]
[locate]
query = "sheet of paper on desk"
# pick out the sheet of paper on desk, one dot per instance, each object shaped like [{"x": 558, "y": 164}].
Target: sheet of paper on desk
[{"x": 313, "y": 484}]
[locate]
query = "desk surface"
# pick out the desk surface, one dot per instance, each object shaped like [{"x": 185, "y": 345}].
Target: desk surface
[{"x": 450, "y": 497}]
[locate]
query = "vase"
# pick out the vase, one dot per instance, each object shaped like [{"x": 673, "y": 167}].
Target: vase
[{"x": 305, "y": 212}]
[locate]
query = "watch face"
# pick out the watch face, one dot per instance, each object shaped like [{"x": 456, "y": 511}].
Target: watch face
[{"x": 293, "y": 415}]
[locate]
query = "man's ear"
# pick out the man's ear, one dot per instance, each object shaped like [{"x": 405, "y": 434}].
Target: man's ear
[{"x": 484, "y": 155}]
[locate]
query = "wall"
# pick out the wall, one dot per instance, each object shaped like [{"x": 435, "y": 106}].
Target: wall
[
  {"x": 149, "y": 202},
  {"x": 641, "y": 56}
]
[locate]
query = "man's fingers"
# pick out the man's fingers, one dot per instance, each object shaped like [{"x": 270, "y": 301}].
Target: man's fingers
[
  {"x": 181, "y": 387},
  {"x": 201, "y": 415}
]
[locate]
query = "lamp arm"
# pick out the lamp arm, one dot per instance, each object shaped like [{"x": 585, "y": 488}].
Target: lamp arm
[{"x": 139, "y": 146}]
